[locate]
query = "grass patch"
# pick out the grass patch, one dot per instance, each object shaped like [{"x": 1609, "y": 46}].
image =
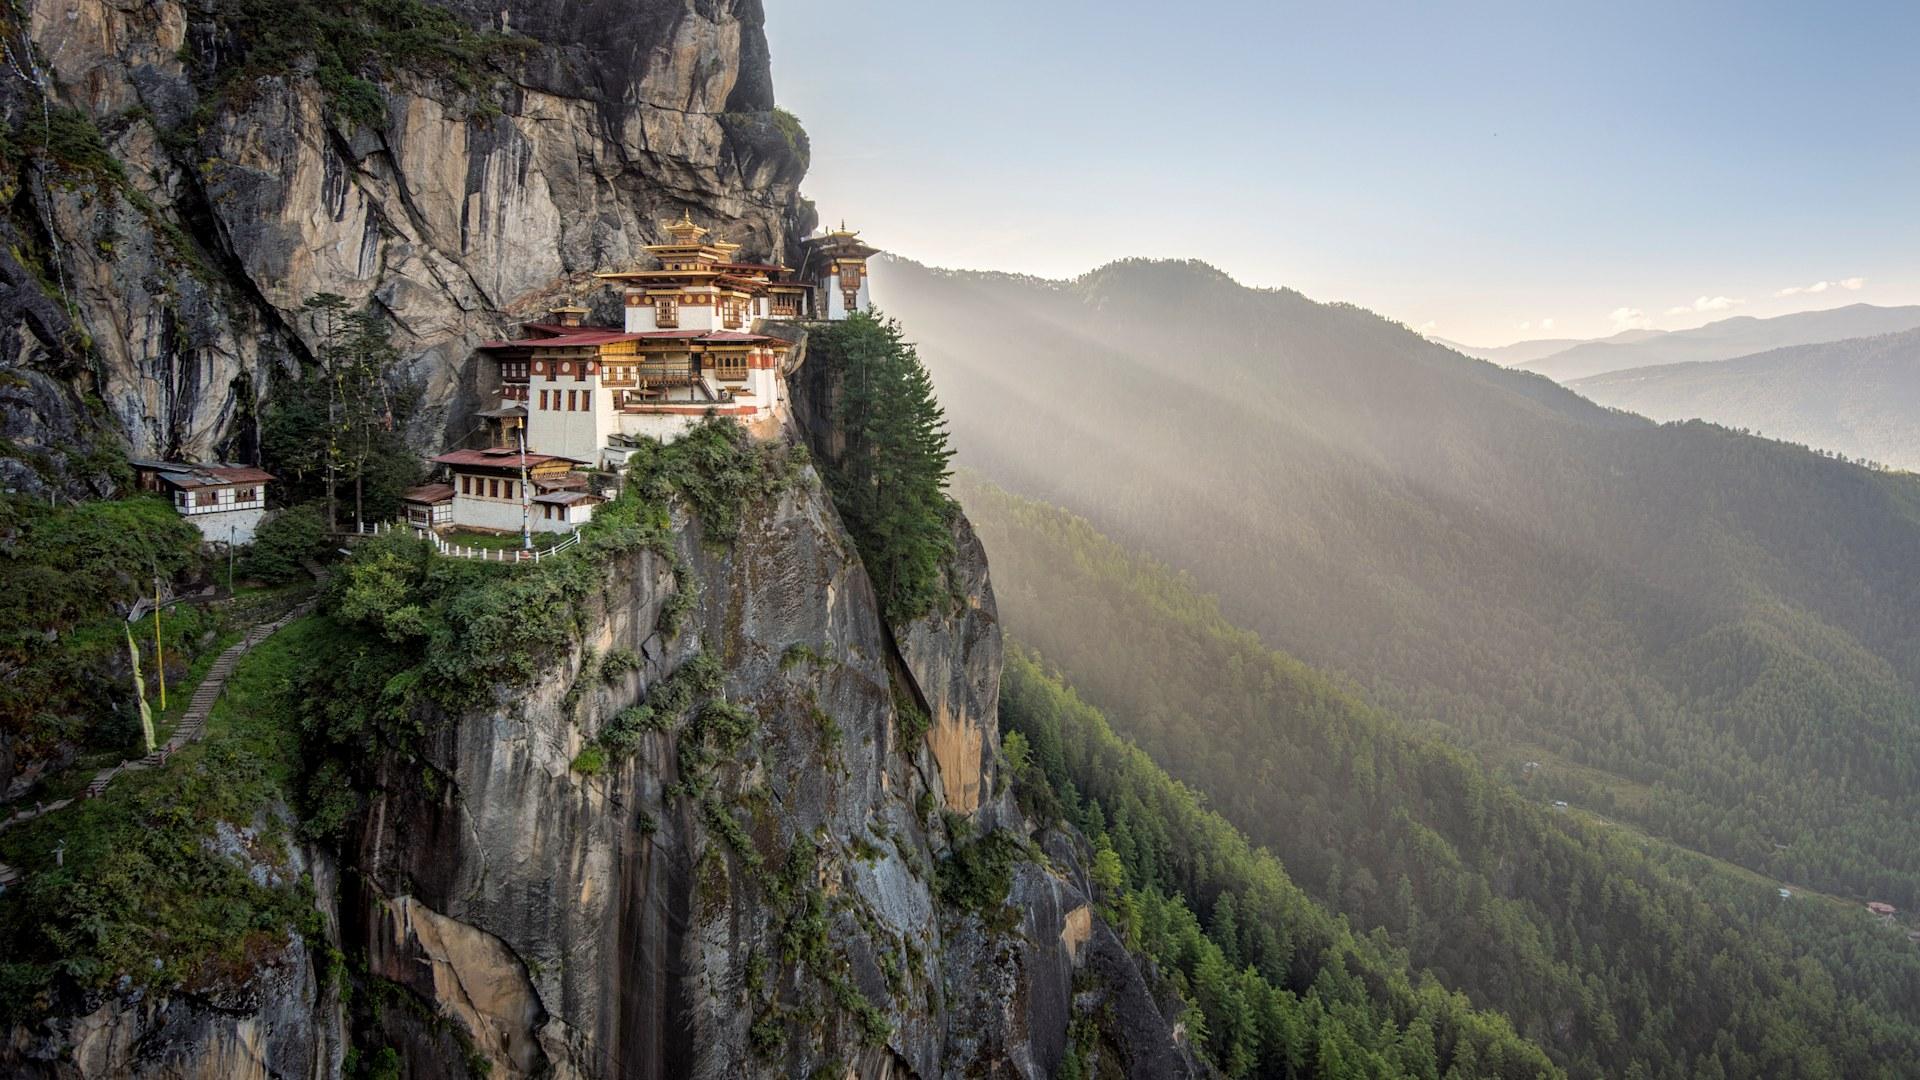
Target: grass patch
[{"x": 144, "y": 891}]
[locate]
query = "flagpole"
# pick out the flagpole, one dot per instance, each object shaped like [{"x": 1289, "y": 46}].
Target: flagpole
[
  {"x": 526, "y": 499},
  {"x": 159, "y": 654}
]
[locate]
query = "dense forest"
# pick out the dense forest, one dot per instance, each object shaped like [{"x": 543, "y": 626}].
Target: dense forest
[
  {"x": 1277, "y": 984},
  {"x": 1621, "y": 957},
  {"x": 1708, "y": 635}
]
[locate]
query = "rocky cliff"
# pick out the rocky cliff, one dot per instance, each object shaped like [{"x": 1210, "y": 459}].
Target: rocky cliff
[
  {"x": 773, "y": 911},
  {"x": 180, "y": 177},
  {"x": 802, "y": 860},
  {"x": 817, "y": 869}
]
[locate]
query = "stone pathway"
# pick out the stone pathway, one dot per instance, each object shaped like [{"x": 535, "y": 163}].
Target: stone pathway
[{"x": 193, "y": 724}]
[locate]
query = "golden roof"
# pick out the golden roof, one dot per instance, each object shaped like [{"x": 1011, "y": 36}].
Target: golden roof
[{"x": 685, "y": 231}]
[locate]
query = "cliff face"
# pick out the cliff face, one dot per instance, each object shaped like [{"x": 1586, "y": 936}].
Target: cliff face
[
  {"x": 774, "y": 912},
  {"x": 149, "y": 282},
  {"x": 837, "y": 893}
]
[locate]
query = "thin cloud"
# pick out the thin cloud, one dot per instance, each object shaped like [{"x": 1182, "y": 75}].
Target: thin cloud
[
  {"x": 1852, "y": 284},
  {"x": 1626, "y": 318},
  {"x": 1707, "y": 304}
]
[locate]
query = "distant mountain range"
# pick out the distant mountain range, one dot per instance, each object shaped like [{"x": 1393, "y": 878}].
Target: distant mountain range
[
  {"x": 1521, "y": 353},
  {"x": 1860, "y": 397},
  {"x": 1745, "y": 335},
  {"x": 1721, "y": 628}
]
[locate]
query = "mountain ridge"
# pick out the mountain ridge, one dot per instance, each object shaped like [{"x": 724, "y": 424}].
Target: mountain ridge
[
  {"x": 1859, "y": 397},
  {"x": 1476, "y": 545},
  {"x": 1724, "y": 339}
]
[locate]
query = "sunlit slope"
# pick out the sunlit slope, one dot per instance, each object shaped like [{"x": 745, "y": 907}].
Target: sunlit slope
[
  {"x": 1623, "y": 959},
  {"x": 1730, "y": 624}
]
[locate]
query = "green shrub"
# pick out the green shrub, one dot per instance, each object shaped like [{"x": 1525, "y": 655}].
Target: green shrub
[
  {"x": 285, "y": 542},
  {"x": 618, "y": 663},
  {"x": 72, "y": 144},
  {"x": 977, "y": 876},
  {"x": 795, "y": 134},
  {"x": 591, "y": 761},
  {"x": 718, "y": 470}
]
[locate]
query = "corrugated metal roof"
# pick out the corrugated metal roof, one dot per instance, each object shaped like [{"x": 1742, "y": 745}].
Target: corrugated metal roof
[
  {"x": 188, "y": 476},
  {"x": 429, "y": 493},
  {"x": 499, "y": 457}
]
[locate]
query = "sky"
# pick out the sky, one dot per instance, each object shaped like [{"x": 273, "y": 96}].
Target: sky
[{"x": 1485, "y": 172}]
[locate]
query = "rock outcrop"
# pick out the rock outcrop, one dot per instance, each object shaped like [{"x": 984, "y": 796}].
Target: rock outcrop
[
  {"x": 279, "y": 1018},
  {"x": 164, "y": 270},
  {"x": 773, "y": 913}
]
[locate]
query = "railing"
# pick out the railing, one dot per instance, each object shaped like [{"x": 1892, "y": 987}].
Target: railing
[{"x": 459, "y": 551}]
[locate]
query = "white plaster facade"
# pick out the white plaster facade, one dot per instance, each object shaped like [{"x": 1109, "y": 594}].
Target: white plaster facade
[
  {"x": 229, "y": 526},
  {"x": 569, "y": 412},
  {"x": 834, "y": 299}
]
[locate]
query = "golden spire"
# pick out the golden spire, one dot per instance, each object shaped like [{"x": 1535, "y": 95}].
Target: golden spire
[{"x": 685, "y": 231}]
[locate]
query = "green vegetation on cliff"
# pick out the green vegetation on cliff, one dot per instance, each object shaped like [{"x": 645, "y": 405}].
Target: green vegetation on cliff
[
  {"x": 175, "y": 876},
  {"x": 422, "y": 636},
  {"x": 351, "y": 48},
  {"x": 67, "y": 577},
  {"x": 889, "y": 475},
  {"x": 1621, "y": 958}
]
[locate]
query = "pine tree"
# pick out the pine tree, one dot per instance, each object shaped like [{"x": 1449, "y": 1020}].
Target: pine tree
[{"x": 889, "y": 477}]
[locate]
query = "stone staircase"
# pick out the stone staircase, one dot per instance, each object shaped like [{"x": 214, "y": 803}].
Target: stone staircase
[{"x": 193, "y": 723}]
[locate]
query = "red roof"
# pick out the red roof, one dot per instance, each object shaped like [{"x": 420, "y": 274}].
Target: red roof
[
  {"x": 500, "y": 457},
  {"x": 429, "y": 493},
  {"x": 190, "y": 477},
  {"x": 573, "y": 339},
  {"x": 702, "y": 337}
]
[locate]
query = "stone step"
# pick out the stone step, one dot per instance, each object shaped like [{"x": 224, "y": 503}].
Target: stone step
[{"x": 9, "y": 876}]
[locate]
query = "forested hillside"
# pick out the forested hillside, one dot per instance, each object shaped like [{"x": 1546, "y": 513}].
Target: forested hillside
[
  {"x": 1280, "y": 985},
  {"x": 1622, "y": 958},
  {"x": 1710, "y": 635},
  {"x": 1859, "y": 398}
]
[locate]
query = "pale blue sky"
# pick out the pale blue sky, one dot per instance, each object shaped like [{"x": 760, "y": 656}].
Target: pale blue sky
[{"x": 1480, "y": 167}]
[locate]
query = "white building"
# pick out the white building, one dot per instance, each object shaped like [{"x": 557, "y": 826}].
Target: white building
[
  {"x": 836, "y": 268},
  {"x": 688, "y": 347},
  {"x": 429, "y": 506},
  {"x": 226, "y": 502},
  {"x": 501, "y": 489}
]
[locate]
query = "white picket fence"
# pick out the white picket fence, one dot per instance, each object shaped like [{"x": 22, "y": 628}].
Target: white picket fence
[{"x": 457, "y": 551}]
